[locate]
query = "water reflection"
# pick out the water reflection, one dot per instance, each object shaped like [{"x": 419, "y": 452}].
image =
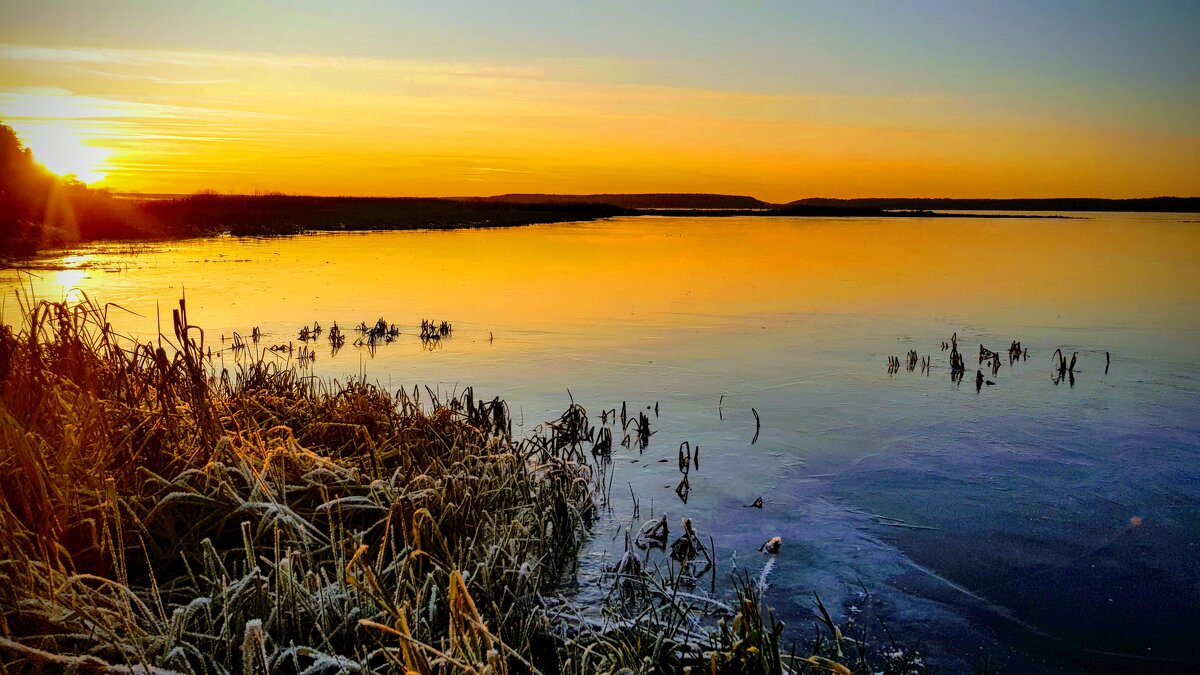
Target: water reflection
[
  {"x": 69, "y": 279},
  {"x": 1121, "y": 271}
]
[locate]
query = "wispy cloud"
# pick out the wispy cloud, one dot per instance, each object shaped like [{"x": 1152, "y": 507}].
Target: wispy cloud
[
  {"x": 591, "y": 76},
  {"x": 57, "y": 104},
  {"x": 297, "y": 61},
  {"x": 57, "y": 55}
]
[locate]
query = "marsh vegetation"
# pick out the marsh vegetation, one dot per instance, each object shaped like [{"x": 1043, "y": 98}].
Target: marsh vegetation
[{"x": 161, "y": 514}]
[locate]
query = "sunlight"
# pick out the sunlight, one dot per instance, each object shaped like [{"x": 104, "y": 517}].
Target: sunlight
[
  {"x": 76, "y": 261},
  {"x": 69, "y": 279},
  {"x": 63, "y": 129},
  {"x": 61, "y": 148}
]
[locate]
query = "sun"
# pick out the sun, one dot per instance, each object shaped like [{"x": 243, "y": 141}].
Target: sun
[{"x": 62, "y": 149}]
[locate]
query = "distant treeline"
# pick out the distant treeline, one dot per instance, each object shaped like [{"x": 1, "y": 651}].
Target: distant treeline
[
  {"x": 202, "y": 214},
  {"x": 1153, "y": 204},
  {"x": 77, "y": 214},
  {"x": 680, "y": 200}
]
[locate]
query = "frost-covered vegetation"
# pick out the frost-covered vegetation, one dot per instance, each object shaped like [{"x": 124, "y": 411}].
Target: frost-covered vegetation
[{"x": 161, "y": 515}]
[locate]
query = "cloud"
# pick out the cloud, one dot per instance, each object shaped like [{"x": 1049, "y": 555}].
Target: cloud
[
  {"x": 59, "y": 104},
  {"x": 57, "y": 55},
  {"x": 199, "y": 58}
]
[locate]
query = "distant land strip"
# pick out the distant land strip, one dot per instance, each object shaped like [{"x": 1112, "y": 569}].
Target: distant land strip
[
  {"x": 1149, "y": 204},
  {"x": 206, "y": 214},
  {"x": 831, "y": 212},
  {"x": 96, "y": 215},
  {"x": 729, "y": 202}
]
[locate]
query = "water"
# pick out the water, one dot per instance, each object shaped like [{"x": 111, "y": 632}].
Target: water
[{"x": 1035, "y": 526}]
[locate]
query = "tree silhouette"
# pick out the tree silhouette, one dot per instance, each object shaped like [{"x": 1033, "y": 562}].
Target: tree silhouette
[
  {"x": 38, "y": 208},
  {"x": 24, "y": 191}
]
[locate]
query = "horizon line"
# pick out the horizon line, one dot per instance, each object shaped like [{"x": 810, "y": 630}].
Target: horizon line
[{"x": 282, "y": 193}]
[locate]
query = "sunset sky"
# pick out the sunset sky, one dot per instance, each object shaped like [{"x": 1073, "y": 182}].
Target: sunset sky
[{"x": 780, "y": 100}]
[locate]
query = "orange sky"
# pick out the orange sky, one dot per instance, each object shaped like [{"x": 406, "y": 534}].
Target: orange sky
[{"x": 192, "y": 114}]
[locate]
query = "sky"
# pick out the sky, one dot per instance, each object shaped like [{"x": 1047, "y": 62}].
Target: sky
[{"x": 779, "y": 100}]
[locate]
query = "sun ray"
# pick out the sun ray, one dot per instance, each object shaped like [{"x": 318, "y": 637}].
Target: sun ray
[
  {"x": 65, "y": 150},
  {"x": 65, "y": 132}
]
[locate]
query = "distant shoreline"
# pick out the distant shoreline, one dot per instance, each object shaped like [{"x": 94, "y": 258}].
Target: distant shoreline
[
  {"x": 724, "y": 202},
  {"x": 1141, "y": 205},
  {"x": 831, "y": 212},
  {"x": 162, "y": 218}
]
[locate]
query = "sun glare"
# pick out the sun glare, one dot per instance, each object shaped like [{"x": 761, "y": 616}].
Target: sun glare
[
  {"x": 69, "y": 279},
  {"x": 62, "y": 149},
  {"x": 61, "y": 129}
]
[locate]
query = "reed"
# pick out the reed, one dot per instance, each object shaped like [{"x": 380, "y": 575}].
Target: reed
[{"x": 160, "y": 514}]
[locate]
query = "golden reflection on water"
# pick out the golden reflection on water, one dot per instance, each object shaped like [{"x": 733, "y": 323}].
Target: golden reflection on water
[
  {"x": 1111, "y": 270},
  {"x": 69, "y": 279},
  {"x": 75, "y": 260}
]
